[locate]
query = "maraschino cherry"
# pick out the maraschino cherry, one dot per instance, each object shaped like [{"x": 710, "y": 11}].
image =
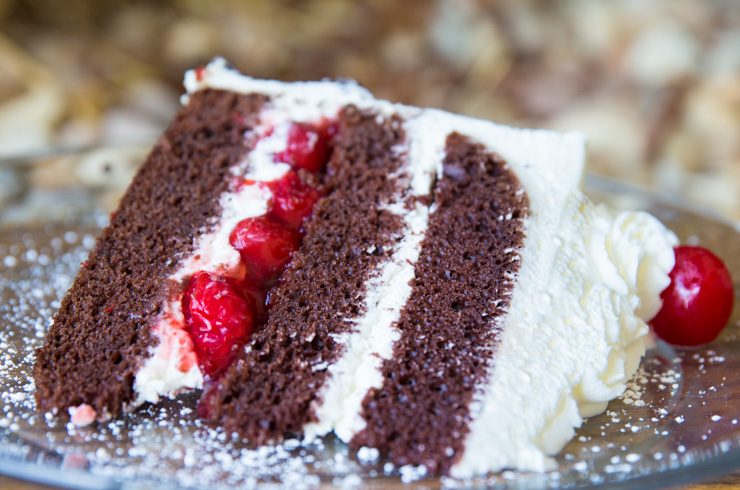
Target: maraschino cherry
[{"x": 698, "y": 302}]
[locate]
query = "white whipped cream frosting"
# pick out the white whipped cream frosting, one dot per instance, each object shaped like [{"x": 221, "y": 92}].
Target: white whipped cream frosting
[
  {"x": 573, "y": 333},
  {"x": 632, "y": 252}
]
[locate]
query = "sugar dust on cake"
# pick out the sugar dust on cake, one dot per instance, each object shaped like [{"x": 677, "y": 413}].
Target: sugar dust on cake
[{"x": 433, "y": 286}]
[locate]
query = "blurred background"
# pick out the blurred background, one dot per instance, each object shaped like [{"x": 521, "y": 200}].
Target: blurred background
[{"x": 656, "y": 85}]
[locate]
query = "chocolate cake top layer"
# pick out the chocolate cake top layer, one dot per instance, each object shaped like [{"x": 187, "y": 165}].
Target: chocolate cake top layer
[
  {"x": 268, "y": 393},
  {"x": 449, "y": 327},
  {"x": 102, "y": 331}
]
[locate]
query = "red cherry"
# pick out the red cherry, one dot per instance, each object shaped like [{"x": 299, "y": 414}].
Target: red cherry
[
  {"x": 698, "y": 302},
  {"x": 307, "y": 147},
  {"x": 265, "y": 246},
  {"x": 257, "y": 298},
  {"x": 219, "y": 319},
  {"x": 292, "y": 201}
]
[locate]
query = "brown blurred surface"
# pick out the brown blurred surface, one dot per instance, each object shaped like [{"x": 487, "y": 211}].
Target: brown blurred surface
[{"x": 656, "y": 85}]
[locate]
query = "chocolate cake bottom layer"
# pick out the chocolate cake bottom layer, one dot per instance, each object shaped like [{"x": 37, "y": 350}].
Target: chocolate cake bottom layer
[
  {"x": 102, "y": 331},
  {"x": 268, "y": 393},
  {"x": 450, "y": 325}
]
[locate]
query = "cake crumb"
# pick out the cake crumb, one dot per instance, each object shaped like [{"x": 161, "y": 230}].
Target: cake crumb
[{"x": 82, "y": 415}]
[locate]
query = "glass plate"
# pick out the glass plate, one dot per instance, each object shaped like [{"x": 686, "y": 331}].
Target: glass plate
[{"x": 677, "y": 422}]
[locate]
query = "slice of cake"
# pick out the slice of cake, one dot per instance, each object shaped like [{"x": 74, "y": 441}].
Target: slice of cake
[{"x": 429, "y": 285}]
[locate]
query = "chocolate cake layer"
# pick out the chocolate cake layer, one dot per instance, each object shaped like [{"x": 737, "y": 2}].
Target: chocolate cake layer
[
  {"x": 449, "y": 326},
  {"x": 268, "y": 393},
  {"x": 102, "y": 332}
]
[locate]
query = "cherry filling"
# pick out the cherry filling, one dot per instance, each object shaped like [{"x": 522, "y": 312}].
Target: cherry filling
[
  {"x": 292, "y": 201},
  {"x": 221, "y": 312},
  {"x": 219, "y": 316},
  {"x": 307, "y": 146},
  {"x": 265, "y": 247}
]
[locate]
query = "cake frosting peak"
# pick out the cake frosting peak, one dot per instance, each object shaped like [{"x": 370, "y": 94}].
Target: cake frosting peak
[{"x": 632, "y": 252}]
